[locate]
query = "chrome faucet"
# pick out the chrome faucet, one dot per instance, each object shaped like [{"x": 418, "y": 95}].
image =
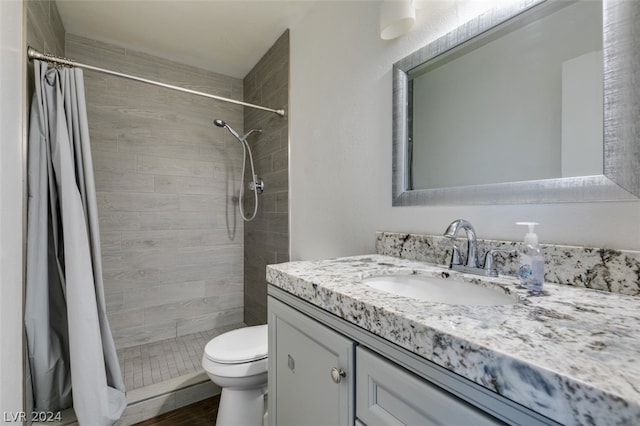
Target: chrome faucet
[
  {"x": 472, "y": 246},
  {"x": 471, "y": 266}
]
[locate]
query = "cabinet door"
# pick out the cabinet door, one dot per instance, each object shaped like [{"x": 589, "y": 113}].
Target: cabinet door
[
  {"x": 387, "y": 394},
  {"x": 302, "y": 355}
]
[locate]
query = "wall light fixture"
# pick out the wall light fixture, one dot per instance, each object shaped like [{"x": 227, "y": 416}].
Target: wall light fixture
[{"x": 396, "y": 18}]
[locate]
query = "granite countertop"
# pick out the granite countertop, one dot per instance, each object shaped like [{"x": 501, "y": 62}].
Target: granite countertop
[{"x": 571, "y": 354}]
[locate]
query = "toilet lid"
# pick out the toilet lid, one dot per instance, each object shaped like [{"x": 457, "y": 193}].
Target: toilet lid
[{"x": 238, "y": 346}]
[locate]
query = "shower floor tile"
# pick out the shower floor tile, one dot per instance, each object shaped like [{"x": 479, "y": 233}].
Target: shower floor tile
[{"x": 155, "y": 362}]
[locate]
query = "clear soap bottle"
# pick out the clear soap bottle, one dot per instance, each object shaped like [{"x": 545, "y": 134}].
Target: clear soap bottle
[{"x": 531, "y": 261}]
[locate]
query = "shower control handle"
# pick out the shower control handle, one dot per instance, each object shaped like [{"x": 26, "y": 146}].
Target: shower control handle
[
  {"x": 337, "y": 374},
  {"x": 257, "y": 184}
]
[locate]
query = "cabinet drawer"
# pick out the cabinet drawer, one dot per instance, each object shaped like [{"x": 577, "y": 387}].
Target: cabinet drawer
[{"x": 387, "y": 394}]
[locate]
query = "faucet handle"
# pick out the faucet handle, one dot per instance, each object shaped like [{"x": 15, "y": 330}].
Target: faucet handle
[
  {"x": 489, "y": 261},
  {"x": 456, "y": 257}
]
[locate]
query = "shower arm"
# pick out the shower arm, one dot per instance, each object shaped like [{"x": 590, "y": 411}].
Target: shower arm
[{"x": 252, "y": 131}]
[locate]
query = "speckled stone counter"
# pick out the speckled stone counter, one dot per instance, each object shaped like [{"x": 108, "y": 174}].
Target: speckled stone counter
[
  {"x": 617, "y": 271},
  {"x": 571, "y": 354}
]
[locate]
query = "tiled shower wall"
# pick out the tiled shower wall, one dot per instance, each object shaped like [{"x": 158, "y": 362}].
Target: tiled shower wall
[
  {"x": 172, "y": 240},
  {"x": 267, "y": 237},
  {"x": 45, "y": 32}
]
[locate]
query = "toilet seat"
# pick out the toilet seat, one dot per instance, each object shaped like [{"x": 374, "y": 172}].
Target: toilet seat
[
  {"x": 244, "y": 369},
  {"x": 240, "y": 346}
]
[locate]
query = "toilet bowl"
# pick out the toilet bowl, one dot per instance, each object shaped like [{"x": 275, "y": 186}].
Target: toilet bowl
[{"x": 237, "y": 362}]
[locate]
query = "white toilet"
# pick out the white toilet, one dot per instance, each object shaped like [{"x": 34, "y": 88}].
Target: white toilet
[{"x": 237, "y": 362}]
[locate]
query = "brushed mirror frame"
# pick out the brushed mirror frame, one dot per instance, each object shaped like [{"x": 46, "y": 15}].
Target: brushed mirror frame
[{"x": 620, "y": 180}]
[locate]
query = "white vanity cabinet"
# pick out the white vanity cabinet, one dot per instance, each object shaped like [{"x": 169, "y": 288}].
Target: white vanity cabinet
[
  {"x": 311, "y": 374},
  {"x": 325, "y": 371}
]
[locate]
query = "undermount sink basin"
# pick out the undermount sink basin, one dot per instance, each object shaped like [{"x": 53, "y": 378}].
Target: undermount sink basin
[{"x": 443, "y": 290}]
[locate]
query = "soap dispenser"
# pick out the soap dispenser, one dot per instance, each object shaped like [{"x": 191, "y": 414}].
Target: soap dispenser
[{"x": 531, "y": 261}]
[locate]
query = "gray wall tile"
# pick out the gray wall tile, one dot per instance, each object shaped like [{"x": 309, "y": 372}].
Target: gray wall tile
[
  {"x": 202, "y": 202},
  {"x": 111, "y": 241},
  {"x": 162, "y": 295},
  {"x": 47, "y": 29},
  {"x": 44, "y": 31},
  {"x": 126, "y": 318},
  {"x": 165, "y": 181},
  {"x": 163, "y": 238},
  {"x": 137, "y": 202},
  {"x": 122, "y": 181},
  {"x": 119, "y": 221},
  {"x": 193, "y": 308},
  {"x": 179, "y": 220},
  {"x": 132, "y": 336},
  {"x": 114, "y": 162},
  {"x": 116, "y": 280},
  {"x": 209, "y": 321},
  {"x": 189, "y": 185},
  {"x": 114, "y": 300},
  {"x": 228, "y": 285},
  {"x": 174, "y": 166},
  {"x": 267, "y": 237}
]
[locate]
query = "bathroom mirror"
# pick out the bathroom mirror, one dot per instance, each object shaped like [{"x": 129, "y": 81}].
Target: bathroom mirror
[{"x": 530, "y": 103}]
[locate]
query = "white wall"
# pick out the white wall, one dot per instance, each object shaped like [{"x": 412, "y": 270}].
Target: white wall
[
  {"x": 340, "y": 144},
  {"x": 12, "y": 74}
]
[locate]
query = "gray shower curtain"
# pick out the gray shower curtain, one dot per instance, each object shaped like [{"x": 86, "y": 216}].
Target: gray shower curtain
[{"x": 72, "y": 356}]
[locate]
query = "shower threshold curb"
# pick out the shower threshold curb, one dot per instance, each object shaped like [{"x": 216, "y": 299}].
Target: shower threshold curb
[{"x": 150, "y": 401}]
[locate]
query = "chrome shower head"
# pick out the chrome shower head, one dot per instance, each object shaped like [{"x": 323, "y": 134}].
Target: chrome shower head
[{"x": 221, "y": 123}]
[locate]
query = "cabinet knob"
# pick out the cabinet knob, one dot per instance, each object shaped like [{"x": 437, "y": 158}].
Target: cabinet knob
[{"x": 337, "y": 374}]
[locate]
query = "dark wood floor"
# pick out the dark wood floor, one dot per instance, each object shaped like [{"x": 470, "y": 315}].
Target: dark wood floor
[{"x": 201, "y": 413}]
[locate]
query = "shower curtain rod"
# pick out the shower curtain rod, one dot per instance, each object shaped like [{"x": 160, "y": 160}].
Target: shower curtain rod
[{"x": 34, "y": 54}]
